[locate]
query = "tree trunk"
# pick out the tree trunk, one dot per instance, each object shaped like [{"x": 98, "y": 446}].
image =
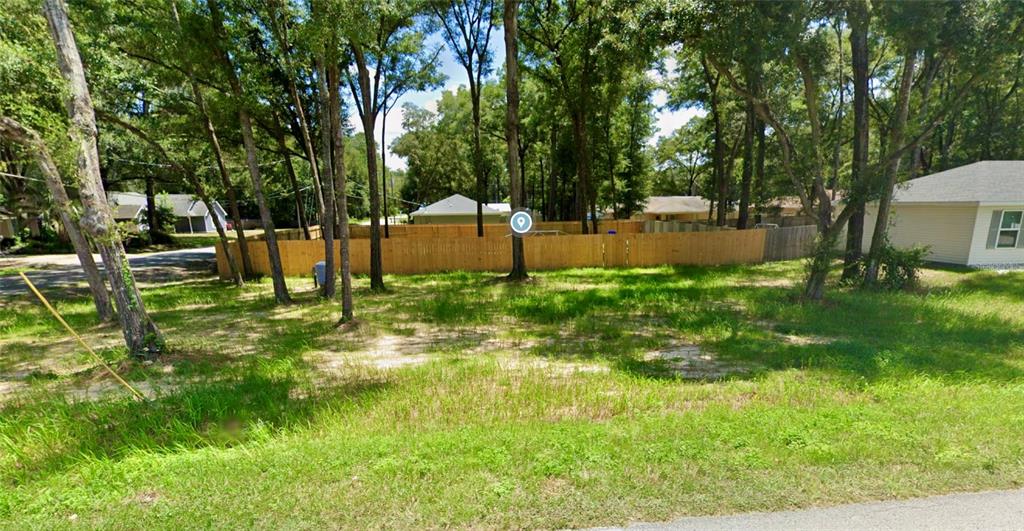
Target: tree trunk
[
  {"x": 748, "y": 168},
  {"x": 200, "y": 190},
  {"x": 579, "y": 134},
  {"x": 327, "y": 225},
  {"x": 899, "y": 122},
  {"x": 251, "y": 160},
  {"x": 340, "y": 194},
  {"x": 154, "y": 230},
  {"x": 197, "y": 186},
  {"x": 141, "y": 335},
  {"x": 759, "y": 188},
  {"x": 820, "y": 260},
  {"x": 282, "y": 146},
  {"x": 225, "y": 177},
  {"x": 859, "y": 17},
  {"x": 518, "y": 272},
  {"x": 307, "y": 143},
  {"x": 15, "y": 132},
  {"x": 551, "y": 204},
  {"x": 369, "y": 116},
  {"x": 384, "y": 169},
  {"x": 478, "y": 158},
  {"x": 718, "y": 153}
]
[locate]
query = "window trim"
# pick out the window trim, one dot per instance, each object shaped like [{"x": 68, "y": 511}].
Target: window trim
[{"x": 1000, "y": 230}]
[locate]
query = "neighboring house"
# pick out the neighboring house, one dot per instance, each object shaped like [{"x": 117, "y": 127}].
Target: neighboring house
[
  {"x": 190, "y": 214},
  {"x": 8, "y": 224},
  {"x": 459, "y": 210},
  {"x": 969, "y": 215},
  {"x": 134, "y": 216},
  {"x": 675, "y": 208}
]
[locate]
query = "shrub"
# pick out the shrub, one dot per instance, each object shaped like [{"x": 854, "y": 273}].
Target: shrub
[{"x": 899, "y": 269}]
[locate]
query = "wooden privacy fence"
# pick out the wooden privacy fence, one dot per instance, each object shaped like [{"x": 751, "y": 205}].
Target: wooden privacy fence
[
  {"x": 315, "y": 233},
  {"x": 499, "y": 230},
  {"x": 423, "y": 255},
  {"x": 652, "y": 226},
  {"x": 788, "y": 243}
]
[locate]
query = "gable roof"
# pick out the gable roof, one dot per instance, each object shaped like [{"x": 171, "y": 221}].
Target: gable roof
[
  {"x": 123, "y": 212},
  {"x": 987, "y": 181},
  {"x": 183, "y": 205},
  {"x": 676, "y": 204},
  {"x": 454, "y": 205}
]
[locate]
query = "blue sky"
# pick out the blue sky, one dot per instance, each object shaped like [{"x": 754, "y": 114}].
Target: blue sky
[{"x": 666, "y": 120}]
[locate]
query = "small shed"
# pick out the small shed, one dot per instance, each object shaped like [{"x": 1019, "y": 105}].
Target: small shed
[
  {"x": 970, "y": 215},
  {"x": 459, "y": 210}
]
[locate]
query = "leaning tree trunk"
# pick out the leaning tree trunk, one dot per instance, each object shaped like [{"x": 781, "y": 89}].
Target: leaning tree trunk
[
  {"x": 225, "y": 178},
  {"x": 251, "y": 160},
  {"x": 327, "y": 224},
  {"x": 15, "y": 132},
  {"x": 899, "y": 122},
  {"x": 512, "y": 132},
  {"x": 289, "y": 168},
  {"x": 197, "y": 185},
  {"x": 218, "y": 153},
  {"x": 141, "y": 335},
  {"x": 307, "y": 143}
]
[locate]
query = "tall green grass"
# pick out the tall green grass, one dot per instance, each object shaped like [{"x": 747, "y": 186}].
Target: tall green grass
[{"x": 868, "y": 396}]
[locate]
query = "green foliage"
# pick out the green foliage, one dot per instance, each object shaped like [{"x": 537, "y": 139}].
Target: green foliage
[
  {"x": 438, "y": 146},
  {"x": 900, "y": 269},
  {"x": 164, "y": 216}
]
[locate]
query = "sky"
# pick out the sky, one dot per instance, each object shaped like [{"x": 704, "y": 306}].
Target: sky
[{"x": 666, "y": 120}]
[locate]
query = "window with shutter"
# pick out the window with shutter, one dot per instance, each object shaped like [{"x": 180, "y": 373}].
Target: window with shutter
[{"x": 1009, "y": 229}]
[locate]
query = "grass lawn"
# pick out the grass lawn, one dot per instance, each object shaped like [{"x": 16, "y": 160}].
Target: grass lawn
[{"x": 587, "y": 397}]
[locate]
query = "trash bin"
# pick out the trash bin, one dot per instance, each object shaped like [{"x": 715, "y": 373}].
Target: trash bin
[{"x": 319, "y": 273}]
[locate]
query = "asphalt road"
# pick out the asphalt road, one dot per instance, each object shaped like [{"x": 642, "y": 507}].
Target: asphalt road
[
  {"x": 990, "y": 511},
  {"x": 63, "y": 272}
]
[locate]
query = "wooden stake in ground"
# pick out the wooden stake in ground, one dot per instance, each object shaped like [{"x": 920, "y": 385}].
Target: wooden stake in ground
[
  {"x": 135, "y": 392},
  {"x": 141, "y": 335}
]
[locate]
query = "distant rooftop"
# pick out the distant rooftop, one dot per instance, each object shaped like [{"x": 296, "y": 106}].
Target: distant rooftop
[
  {"x": 184, "y": 205},
  {"x": 987, "y": 181},
  {"x": 458, "y": 205},
  {"x": 676, "y": 204}
]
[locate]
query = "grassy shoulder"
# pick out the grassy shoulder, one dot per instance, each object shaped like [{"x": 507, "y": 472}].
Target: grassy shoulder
[{"x": 459, "y": 401}]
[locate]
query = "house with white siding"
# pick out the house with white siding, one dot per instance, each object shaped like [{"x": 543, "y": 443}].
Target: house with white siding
[
  {"x": 190, "y": 214},
  {"x": 969, "y": 215}
]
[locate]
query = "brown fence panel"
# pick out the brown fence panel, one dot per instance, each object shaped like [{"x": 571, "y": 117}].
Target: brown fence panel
[
  {"x": 700, "y": 248},
  {"x": 789, "y": 243},
  {"x": 494, "y": 230},
  {"x": 430, "y": 255}
]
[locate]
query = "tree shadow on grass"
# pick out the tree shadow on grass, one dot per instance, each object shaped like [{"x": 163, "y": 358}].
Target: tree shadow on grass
[
  {"x": 876, "y": 335},
  {"x": 51, "y": 434},
  {"x": 744, "y": 314}
]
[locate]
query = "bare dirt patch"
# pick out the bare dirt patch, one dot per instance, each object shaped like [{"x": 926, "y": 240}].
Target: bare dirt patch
[{"x": 692, "y": 362}]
